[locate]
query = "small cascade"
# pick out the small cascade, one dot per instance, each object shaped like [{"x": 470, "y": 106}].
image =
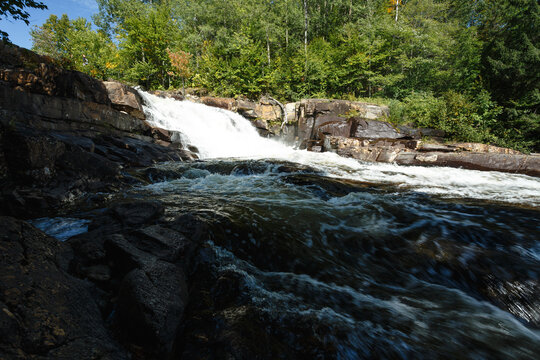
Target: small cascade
[
  {"x": 220, "y": 134},
  {"x": 217, "y": 133}
]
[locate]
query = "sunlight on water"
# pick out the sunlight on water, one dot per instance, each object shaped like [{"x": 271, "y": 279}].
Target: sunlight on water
[{"x": 219, "y": 133}]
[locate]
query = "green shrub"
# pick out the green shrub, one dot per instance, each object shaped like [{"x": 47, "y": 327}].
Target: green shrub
[{"x": 461, "y": 116}]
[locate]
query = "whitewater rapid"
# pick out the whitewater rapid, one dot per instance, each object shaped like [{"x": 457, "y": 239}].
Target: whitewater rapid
[{"x": 222, "y": 134}]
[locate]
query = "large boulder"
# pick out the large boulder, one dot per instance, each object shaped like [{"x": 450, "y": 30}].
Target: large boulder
[
  {"x": 223, "y": 103},
  {"x": 125, "y": 98},
  {"x": 151, "y": 304},
  {"x": 318, "y": 117},
  {"x": 44, "y": 312},
  {"x": 133, "y": 213}
]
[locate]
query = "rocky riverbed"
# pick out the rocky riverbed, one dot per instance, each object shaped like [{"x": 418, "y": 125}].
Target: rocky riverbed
[{"x": 153, "y": 254}]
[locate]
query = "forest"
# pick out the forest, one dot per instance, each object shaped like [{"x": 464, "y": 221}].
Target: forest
[{"x": 469, "y": 67}]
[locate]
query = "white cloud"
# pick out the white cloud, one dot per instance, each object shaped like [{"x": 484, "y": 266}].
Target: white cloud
[{"x": 89, "y": 4}]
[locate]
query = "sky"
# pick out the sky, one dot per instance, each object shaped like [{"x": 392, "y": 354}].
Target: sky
[{"x": 19, "y": 32}]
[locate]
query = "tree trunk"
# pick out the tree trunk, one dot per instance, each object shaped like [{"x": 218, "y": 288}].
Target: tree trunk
[
  {"x": 183, "y": 87},
  {"x": 305, "y": 32},
  {"x": 283, "y": 111},
  {"x": 268, "y": 46}
]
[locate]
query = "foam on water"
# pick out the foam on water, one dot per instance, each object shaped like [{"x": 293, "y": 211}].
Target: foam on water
[
  {"x": 219, "y": 133},
  {"x": 346, "y": 307}
]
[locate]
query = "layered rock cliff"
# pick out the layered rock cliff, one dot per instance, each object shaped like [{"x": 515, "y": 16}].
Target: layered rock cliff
[{"x": 63, "y": 133}]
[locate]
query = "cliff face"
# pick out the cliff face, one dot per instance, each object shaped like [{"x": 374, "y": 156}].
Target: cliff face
[
  {"x": 63, "y": 133},
  {"x": 68, "y": 143}
]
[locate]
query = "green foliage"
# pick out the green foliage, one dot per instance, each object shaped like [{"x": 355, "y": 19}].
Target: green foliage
[
  {"x": 462, "y": 117},
  {"x": 470, "y": 68},
  {"x": 144, "y": 40},
  {"x": 71, "y": 41}
]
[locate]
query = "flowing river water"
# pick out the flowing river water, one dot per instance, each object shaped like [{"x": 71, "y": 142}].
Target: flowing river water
[{"x": 330, "y": 257}]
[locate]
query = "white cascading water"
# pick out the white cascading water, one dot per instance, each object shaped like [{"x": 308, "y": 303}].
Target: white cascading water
[{"x": 219, "y": 133}]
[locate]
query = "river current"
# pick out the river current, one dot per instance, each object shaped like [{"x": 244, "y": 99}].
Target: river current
[{"x": 336, "y": 258}]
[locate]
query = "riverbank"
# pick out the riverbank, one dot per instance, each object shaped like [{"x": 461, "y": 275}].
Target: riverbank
[{"x": 361, "y": 131}]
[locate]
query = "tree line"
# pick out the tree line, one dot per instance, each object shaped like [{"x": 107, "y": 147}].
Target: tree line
[{"x": 470, "y": 67}]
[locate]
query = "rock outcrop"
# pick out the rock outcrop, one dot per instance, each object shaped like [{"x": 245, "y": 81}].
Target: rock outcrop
[
  {"x": 125, "y": 99},
  {"x": 361, "y": 130},
  {"x": 414, "y": 152},
  {"x": 44, "y": 311},
  {"x": 117, "y": 291},
  {"x": 63, "y": 133}
]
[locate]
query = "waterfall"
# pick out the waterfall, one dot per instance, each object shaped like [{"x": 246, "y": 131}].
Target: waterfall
[{"x": 219, "y": 133}]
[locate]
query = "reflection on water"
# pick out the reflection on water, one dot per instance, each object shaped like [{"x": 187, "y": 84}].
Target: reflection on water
[{"x": 61, "y": 228}]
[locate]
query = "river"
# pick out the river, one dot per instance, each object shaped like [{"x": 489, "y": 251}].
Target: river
[{"x": 319, "y": 256}]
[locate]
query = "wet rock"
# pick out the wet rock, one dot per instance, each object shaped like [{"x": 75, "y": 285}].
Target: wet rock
[
  {"x": 261, "y": 124},
  {"x": 327, "y": 188},
  {"x": 125, "y": 98},
  {"x": 164, "y": 243},
  {"x": 72, "y": 140},
  {"x": 27, "y": 203},
  {"x": 160, "y": 134},
  {"x": 246, "y": 108},
  {"x": 97, "y": 273},
  {"x": 89, "y": 164},
  {"x": 44, "y": 312},
  {"x": 191, "y": 226},
  {"x": 171, "y": 94},
  {"x": 133, "y": 213},
  {"x": 125, "y": 255},
  {"x": 151, "y": 304}
]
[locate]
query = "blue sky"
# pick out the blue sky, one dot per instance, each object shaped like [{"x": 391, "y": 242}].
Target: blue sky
[{"x": 19, "y": 32}]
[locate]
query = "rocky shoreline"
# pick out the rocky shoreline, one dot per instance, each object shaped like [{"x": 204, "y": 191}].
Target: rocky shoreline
[
  {"x": 360, "y": 130},
  {"x": 70, "y": 143}
]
